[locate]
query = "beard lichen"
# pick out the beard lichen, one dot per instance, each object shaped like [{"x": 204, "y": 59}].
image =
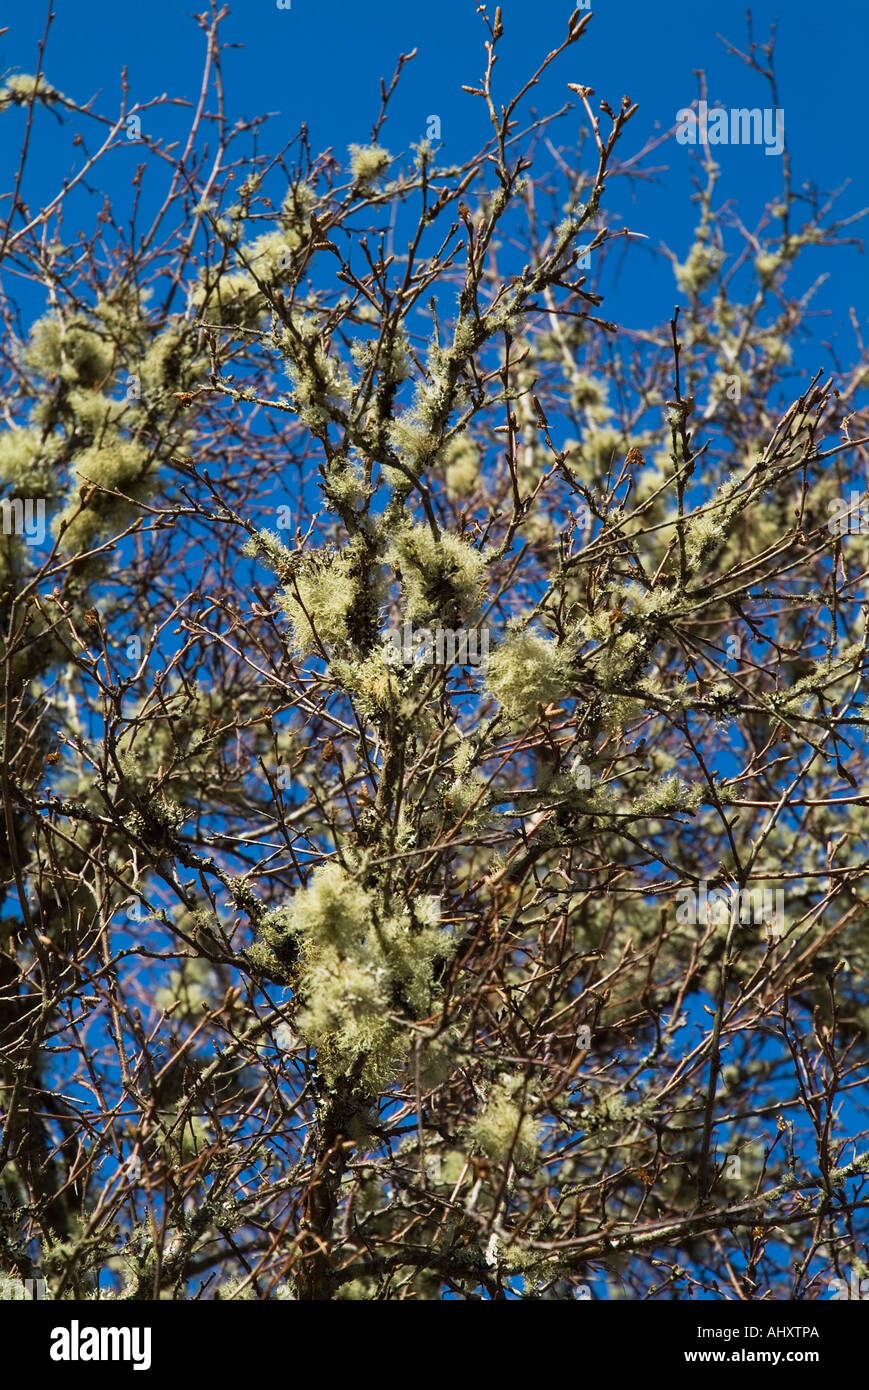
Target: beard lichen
[
  {"x": 441, "y": 578},
  {"x": 331, "y": 600},
  {"x": 502, "y": 1129},
  {"x": 74, "y": 352},
  {"x": 526, "y": 671},
  {"x": 364, "y": 966},
  {"x": 462, "y": 459},
  {"x": 368, "y": 162},
  {"x": 118, "y": 464}
]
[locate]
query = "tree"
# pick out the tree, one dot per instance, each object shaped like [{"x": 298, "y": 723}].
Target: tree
[{"x": 433, "y": 753}]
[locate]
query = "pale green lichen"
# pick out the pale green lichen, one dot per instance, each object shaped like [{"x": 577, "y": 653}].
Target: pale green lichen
[
  {"x": 526, "y": 672},
  {"x": 413, "y": 439},
  {"x": 270, "y": 549},
  {"x": 462, "y": 459},
  {"x": 503, "y": 1129},
  {"x": 26, "y": 461},
  {"x": 669, "y": 794},
  {"x": 345, "y": 485},
  {"x": 701, "y": 267},
  {"x": 585, "y": 391},
  {"x": 363, "y": 967},
  {"x": 320, "y": 382},
  {"x": 601, "y": 446},
  {"x": 268, "y": 256},
  {"x": 620, "y": 660},
  {"x": 168, "y": 363},
  {"x": 390, "y": 359},
  {"x": 234, "y": 300},
  {"x": 188, "y": 989},
  {"x": 440, "y": 577},
  {"x": 618, "y": 711},
  {"x": 297, "y": 205},
  {"x": 368, "y": 162},
  {"x": 465, "y": 800},
  {"x": 327, "y": 596},
  {"x": 703, "y": 536},
  {"x": 766, "y": 265},
  {"x": 21, "y": 88},
  {"x": 776, "y": 350},
  {"x": 116, "y": 464},
  {"x": 373, "y": 683},
  {"x": 706, "y": 531},
  {"x": 329, "y": 911},
  {"x": 94, "y": 413},
  {"x": 73, "y": 352}
]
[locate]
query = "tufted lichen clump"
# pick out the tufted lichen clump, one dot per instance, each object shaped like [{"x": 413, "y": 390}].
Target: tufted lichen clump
[
  {"x": 326, "y": 596},
  {"x": 364, "y": 966},
  {"x": 20, "y": 89},
  {"x": 462, "y": 459},
  {"x": 368, "y": 162},
  {"x": 502, "y": 1128},
  {"x": 374, "y": 683},
  {"x": 119, "y": 464},
  {"x": 74, "y": 352},
  {"x": 441, "y": 578},
  {"x": 26, "y": 461},
  {"x": 526, "y": 672},
  {"x": 671, "y": 793}
]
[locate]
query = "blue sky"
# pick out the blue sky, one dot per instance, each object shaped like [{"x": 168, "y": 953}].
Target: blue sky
[{"x": 321, "y": 64}]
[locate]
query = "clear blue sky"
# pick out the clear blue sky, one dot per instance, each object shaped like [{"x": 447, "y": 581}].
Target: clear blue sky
[{"x": 321, "y": 63}]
